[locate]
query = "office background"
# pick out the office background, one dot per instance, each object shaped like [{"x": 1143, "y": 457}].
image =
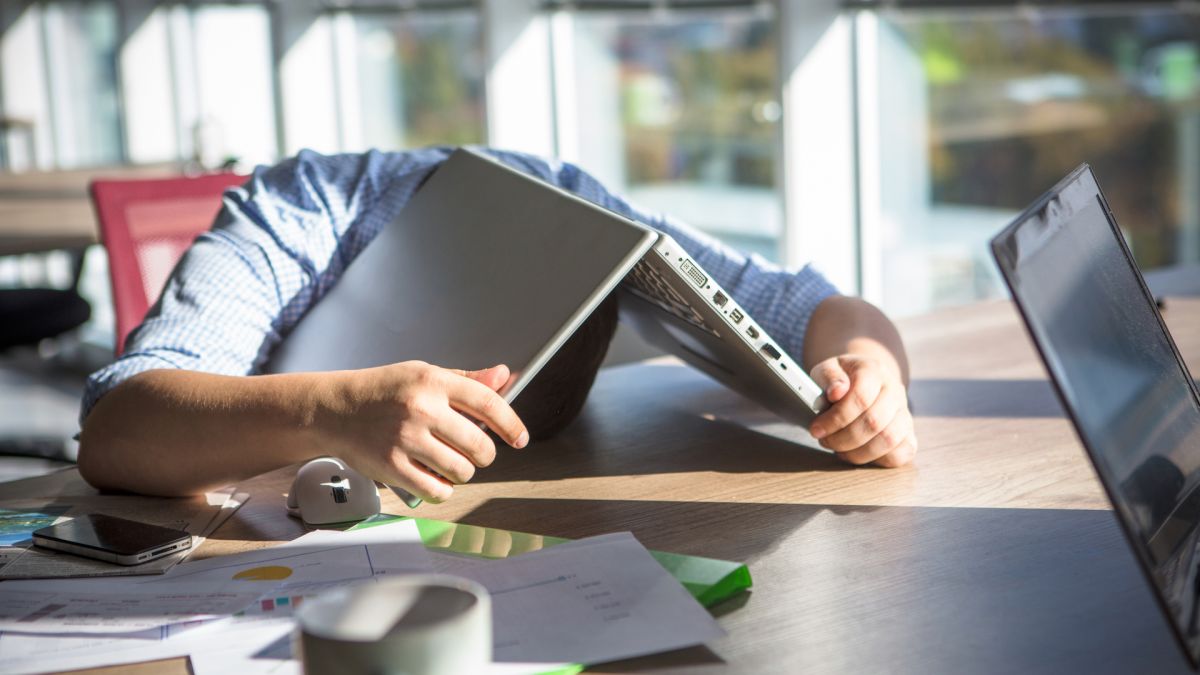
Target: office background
[{"x": 885, "y": 140}]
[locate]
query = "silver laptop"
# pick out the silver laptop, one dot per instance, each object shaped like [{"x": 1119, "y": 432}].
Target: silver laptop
[
  {"x": 488, "y": 265},
  {"x": 482, "y": 266},
  {"x": 1120, "y": 378}
]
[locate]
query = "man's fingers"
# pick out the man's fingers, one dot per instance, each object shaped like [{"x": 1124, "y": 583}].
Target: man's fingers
[
  {"x": 873, "y": 421},
  {"x": 884, "y": 443},
  {"x": 421, "y": 482},
  {"x": 832, "y": 378},
  {"x": 478, "y": 401},
  {"x": 443, "y": 460},
  {"x": 493, "y": 378},
  {"x": 903, "y": 454},
  {"x": 456, "y": 431},
  {"x": 864, "y": 390}
]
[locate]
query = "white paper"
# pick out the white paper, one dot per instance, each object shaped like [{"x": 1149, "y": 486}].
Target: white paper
[
  {"x": 262, "y": 648},
  {"x": 320, "y": 556},
  {"x": 318, "y": 561},
  {"x": 20, "y": 654},
  {"x": 590, "y": 601},
  {"x": 39, "y": 653},
  {"x": 47, "y": 610}
]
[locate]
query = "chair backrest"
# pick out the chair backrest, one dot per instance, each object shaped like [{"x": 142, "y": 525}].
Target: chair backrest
[{"x": 145, "y": 226}]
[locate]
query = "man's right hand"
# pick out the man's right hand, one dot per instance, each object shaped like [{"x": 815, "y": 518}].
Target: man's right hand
[{"x": 411, "y": 424}]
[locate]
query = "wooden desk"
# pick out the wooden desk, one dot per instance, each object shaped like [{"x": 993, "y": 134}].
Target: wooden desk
[
  {"x": 995, "y": 553},
  {"x": 51, "y": 210}
]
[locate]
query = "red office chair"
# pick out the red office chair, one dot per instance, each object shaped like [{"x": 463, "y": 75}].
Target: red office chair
[{"x": 146, "y": 225}]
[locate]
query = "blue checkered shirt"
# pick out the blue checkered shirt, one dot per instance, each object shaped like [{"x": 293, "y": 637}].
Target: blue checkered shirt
[{"x": 282, "y": 240}]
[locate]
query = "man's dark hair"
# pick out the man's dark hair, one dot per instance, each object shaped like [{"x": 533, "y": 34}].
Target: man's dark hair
[{"x": 558, "y": 392}]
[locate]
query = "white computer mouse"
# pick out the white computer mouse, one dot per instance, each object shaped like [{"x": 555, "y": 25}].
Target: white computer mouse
[{"x": 328, "y": 491}]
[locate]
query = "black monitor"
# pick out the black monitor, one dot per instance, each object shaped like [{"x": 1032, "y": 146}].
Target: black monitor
[{"x": 1120, "y": 379}]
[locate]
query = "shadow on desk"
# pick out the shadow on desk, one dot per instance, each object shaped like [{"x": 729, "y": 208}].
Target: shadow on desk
[
  {"x": 651, "y": 439},
  {"x": 894, "y": 589},
  {"x": 984, "y": 398},
  {"x": 680, "y": 388},
  {"x": 686, "y": 423}
]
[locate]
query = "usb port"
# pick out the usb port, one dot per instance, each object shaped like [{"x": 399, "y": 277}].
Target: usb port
[
  {"x": 752, "y": 332},
  {"x": 719, "y": 299},
  {"x": 737, "y": 315},
  {"x": 768, "y": 350}
]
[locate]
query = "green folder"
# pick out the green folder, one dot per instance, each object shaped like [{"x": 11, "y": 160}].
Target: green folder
[{"x": 708, "y": 580}]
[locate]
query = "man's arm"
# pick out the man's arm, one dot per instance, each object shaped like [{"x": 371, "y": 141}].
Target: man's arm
[
  {"x": 179, "y": 411},
  {"x": 855, "y": 353},
  {"x": 180, "y": 432}
]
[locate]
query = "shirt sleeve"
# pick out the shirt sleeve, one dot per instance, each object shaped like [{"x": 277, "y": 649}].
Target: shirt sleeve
[
  {"x": 277, "y": 244},
  {"x": 779, "y": 300}
]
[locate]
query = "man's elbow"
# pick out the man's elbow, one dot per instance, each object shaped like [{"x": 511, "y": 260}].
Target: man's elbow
[{"x": 96, "y": 461}]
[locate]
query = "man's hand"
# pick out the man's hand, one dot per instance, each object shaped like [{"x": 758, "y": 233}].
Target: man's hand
[
  {"x": 407, "y": 424},
  {"x": 868, "y": 418}
]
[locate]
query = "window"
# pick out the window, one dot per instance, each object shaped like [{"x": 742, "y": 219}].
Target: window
[
  {"x": 680, "y": 111},
  {"x": 979, "y": 113},
  {"x": 420, "y": 78},
  {"x": 59, "y": 89},
  {"x": 234, "y": 86}
]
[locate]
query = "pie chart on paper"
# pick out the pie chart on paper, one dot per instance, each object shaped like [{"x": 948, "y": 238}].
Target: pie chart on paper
[{"x": 266, "y": 573}]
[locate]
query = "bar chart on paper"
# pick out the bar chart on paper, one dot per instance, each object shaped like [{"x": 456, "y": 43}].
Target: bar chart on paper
[{"x": 273, "y": 606}]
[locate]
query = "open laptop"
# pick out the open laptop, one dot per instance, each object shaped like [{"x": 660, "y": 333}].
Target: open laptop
[
  {"x": 486, "y": 265},
  {"x": 1120, "y": 378}
]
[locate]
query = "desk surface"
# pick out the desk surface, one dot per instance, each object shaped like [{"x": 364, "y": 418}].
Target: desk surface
[
  {"x": 994, "y": 553},
  {"x": 49, "y": 210}
]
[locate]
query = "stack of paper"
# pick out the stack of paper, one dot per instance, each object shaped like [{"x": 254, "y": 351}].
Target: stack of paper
[{"x": 589, "y": 601}]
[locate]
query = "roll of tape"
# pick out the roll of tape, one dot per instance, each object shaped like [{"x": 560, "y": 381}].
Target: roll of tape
[{"x": 427, "y": 624}]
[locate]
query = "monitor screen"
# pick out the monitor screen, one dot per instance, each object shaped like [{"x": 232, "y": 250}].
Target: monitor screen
[{"x": 1119, "y": 376}]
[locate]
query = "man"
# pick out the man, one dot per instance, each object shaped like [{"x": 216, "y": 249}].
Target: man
[{"x": 176, "y": 413}]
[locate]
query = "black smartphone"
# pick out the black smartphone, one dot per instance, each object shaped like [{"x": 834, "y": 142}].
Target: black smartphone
[{"x": 112, "y": 539}]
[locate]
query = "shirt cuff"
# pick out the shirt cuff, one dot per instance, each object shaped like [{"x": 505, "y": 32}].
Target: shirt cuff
[{"x": 107, "y": 378}]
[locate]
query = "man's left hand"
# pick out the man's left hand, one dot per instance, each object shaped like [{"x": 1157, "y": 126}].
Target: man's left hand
[{"x": 868, "y": 418}]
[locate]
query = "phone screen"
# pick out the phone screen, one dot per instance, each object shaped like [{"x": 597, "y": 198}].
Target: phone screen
[{"x": 108, "y": 533}]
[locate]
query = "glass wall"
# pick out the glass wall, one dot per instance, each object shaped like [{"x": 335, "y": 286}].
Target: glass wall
[
  {"x": 681, "y": 112},
  {"x": 82, "y": 37},
  {"x": 979, "y": 113},
  {"x": 420, "y": 79},
  {"x": 962, "y": 116},
  {"x": 234, "y": 85}
]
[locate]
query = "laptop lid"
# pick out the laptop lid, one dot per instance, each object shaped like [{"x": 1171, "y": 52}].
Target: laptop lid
[
  {"x": 1120, "y": 378},
  {"x": 484, "y": 265}
]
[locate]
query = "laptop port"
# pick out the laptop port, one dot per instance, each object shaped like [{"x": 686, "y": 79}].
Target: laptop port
[
  {"x": 768, "y": 350},
  {"x": 752, "y": 332},
  {"x": 693, "y": 273},
  {"x": 737, "y": 315},
  {"x": 719, "y": 299}
]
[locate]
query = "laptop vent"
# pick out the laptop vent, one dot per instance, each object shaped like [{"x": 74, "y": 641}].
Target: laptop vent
[{"x": 693, "y": 273}]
